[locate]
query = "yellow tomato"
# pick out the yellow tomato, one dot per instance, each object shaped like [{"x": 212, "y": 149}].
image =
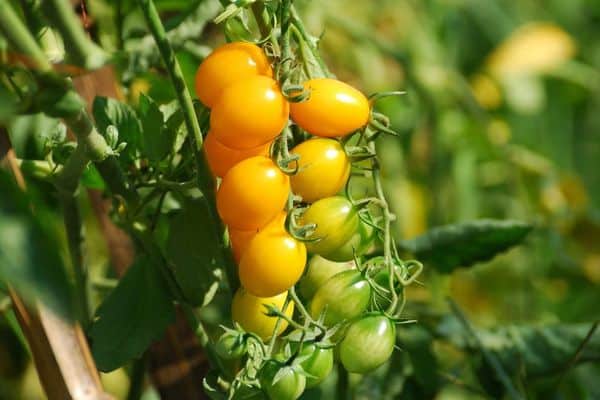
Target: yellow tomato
[
  {"x": 249, "y": 113},
  {"x": 240, "y": 239},
  {"x": 222, "y": 158},
  {"x": 333, "y": 108},
  {"x": 272, "y": 263},
  {"x": 252, "y": 193},
  {"x": 228, "y": 64},
  {"x": 249, "y": 311},
  {"x": 323, "y": 169}
]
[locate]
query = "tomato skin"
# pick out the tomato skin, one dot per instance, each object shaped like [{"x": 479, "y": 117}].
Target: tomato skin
[
  {"x": 346, "y": 295},
  {"x": 323, "y": 169},
  {"x": 368, "y": 343},
  {"x": 252, "y": 193},
  {"x": 249, "y": 113},
  {"x": 241, "y": 239},
  {"x": 272, "y": 263},
  {"x": 226, "y": 65},
  {"x": 221, "y": 158},
  {"x": 358, "y": 243},
  {"x": 249, "y": 311},
  {"x": 333, "y": 109},
  {"x": 290, "y": 385},
  {"x": 337, "y": 221},
  {"x": 319, "y": 271},
  {"x": 317, "y": 362}
]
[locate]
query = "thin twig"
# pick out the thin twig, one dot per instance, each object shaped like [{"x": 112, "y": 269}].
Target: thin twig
[{"x": 577, "y": 353}]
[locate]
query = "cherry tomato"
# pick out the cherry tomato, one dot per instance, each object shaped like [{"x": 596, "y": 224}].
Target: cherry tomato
[
  {"x": 252, "y": 193},
  {"x": 272, "y": 262},
  {"x": 228, "y": 64},
  {"x": 222, "y": 158},
  {"x": 289, "y": 385},
  {"x": 334, "y": 108},
  {"x": 323, "y": 169},
  {"x": 249, "y": 113},
  {"x": 230, "y": 346},
  {"x": 344, "y": 296},
  {"x": 241, "y": 239},
  {"x": 317, "y": 362},
  {"x": 337, "y": 221},
  {"x": 249, "y": 311},
  {"x": 368, "y": 343},
  {"x": 319, "y": 270},
  {"x": 358, "y": 243}
]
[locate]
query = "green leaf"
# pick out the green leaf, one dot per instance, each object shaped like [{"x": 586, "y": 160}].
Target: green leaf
[
  {"x": 449, "y": 247},
  {"x": 91, "y": 178},
  {"x": 29, "y": 252},
  {"x": 132, "y": 316},
  {"x": 194, "y": 251},
  {"x": 157, "y": 139},
  {"x": 109, "y": 111}
]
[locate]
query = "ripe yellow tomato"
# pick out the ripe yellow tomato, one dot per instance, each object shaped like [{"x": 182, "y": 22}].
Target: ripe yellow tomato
[
  {"x": 227, "y": 64},
  {"x": 323, "y": 169},
  {"x": 222, "y": 158},
  {"x": 249, "y": 311},
  {"x": 252, "y": 193},
  {"x": 333, "y": 108},
  {"x": 249, "y": 113},
  {"x": 272, "y": 263},
  {"x": 241, "y": 239}
]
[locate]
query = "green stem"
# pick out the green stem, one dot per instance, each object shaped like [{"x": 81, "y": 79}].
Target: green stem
[
  {"x": 206, "y": 181},
  {"x": 15, "y": 31},
  {"x": 308, "y": 40},
  {"x": 82, "y": 50},
  {"x": 276, "y": 327},
  {"x": 138, "y": 373}
]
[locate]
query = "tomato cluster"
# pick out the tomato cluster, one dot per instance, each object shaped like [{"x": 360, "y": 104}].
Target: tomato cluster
[{"x": 249, "y": 111}]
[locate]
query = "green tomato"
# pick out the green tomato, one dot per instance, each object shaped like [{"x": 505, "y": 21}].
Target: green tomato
[
  {"x": 367, "y": 344},
  {"x": 337, "y": 222},
  {"x": 231, "y": 346},
  {"x": 345, "y": 295},
  {"x": 289, "y": 385},
  {"x": 358, "y": 243},
  {"x": 318, "y": 272},
  {"x": 317, "y": 362}
]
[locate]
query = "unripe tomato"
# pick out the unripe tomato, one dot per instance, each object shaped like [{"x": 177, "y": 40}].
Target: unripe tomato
[
  {"x": 319, "y": 271},
  {"x": 344, "y": 296},
  {"x": 222, "y": 158},
  {"x": 358, "y": 243},
  {"x": 290, "y": 383},
  {"x": 317, "y": 362},
  {"x": 249, "y": 311},
  {"x": 368, "y": 343},
  {"x": 337, "y": 221},
  {"x": 230, "y": 346},
  {"x": 228, "y": 64},
  {"x": 272, "y": 263},
  {"x": 241, "y": 239},
  {"x": 249, "y": 113},
  {"x": 334, "y": 108},
  {"x": 323, "y": 169},
  {"x": 252, "y": 193}
]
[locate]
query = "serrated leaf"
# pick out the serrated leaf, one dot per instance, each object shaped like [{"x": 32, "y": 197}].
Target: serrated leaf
[
  {"x": 461, "y": 245},
  {"x": 194, "y": 252},
  {"x": 133, "y": 315},
  {"x": 29, "y": 253},
  {"x": 108, "y": 112}
]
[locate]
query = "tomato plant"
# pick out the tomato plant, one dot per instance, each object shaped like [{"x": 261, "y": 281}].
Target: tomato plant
[
  {"x": 231, "y": 346},
  {"x": 227, "y": 64},
  {"x": 319, "y": 270},
  {"x": 323, "y": 169},
  {"x": 249, "y": 311},
  {"x": 332, "y": 109},
  {"x": 367, "y": 344},
  {"x": 222, "y": 158},
  {"x": 317, "y": 362}
]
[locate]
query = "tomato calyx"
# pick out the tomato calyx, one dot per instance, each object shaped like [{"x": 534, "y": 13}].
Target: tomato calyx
[{"x": 299, "y": 232}]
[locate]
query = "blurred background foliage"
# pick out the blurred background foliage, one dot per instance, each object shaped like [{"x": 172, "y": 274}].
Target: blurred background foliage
[{"x": 500, "y": 120}]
